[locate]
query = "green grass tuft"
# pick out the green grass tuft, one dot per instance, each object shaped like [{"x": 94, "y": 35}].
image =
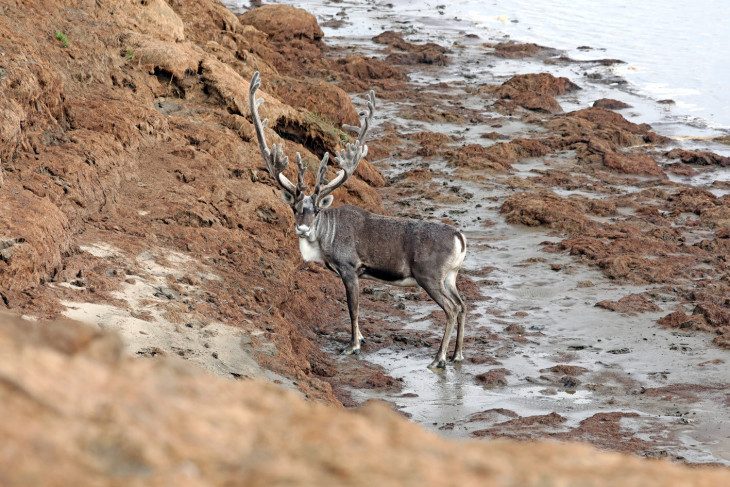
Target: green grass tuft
[{"x": 63, "y": 38}]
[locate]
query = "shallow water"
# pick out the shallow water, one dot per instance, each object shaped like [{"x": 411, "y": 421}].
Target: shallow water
[
  {"x": 682, "y": 54},
  {"x": 563, "y": 326},
  {"x": 556, "y": 308},
  {"x": 671, "y": 50},
  {"x": 623, "y": 352}
]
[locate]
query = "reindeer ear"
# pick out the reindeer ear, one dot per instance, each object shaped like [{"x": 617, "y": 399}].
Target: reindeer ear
[
  {"x": 287, "y": 197},
  {"x": 325, "y": 202}
]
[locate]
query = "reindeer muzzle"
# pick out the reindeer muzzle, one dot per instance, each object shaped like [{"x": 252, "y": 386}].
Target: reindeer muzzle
[{"x": 303, "y": 230}]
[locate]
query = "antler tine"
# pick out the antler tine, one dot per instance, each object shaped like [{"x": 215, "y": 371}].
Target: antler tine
[
  {"x": 300, "y": 175},
  {"x": 275, "y": 160},
  {"x": 367, "y": 117},
  {"x": 349, "y": 157},
  {"x": 321, "y": 172}
]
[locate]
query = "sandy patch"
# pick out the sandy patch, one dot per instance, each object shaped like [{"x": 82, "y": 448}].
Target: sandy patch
[{"x": 156, "y": 321}]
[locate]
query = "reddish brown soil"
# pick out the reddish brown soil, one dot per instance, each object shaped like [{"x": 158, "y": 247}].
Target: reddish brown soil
[
  {"x": 137, "y": 134},
  {"x": 130, "y": 138},
  {"x": 632, "y": 303}
]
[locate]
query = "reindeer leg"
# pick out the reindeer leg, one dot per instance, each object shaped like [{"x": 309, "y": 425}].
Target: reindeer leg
[
  {"x": 450, "y": 285},
  {"x": 458, "y": 354},
  {"x": 440, "y": 360},
  {"x": 352, "y": 290},
  {"x": 439, "y": 294}
]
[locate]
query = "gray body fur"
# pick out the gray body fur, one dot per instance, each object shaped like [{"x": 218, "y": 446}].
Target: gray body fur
[{"x": 357, "y": 244}]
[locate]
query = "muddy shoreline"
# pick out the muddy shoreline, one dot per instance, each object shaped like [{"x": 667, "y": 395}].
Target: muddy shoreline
[{"x": 596, "y": 278}]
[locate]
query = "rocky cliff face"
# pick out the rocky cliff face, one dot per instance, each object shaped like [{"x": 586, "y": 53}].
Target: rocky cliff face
[{"x": 125, "y": 126}]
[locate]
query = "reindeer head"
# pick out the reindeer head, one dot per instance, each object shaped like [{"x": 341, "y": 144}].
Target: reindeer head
[{"x": 306, "y": 207}]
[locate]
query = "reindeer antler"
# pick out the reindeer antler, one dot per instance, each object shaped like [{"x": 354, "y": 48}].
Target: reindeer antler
[
  {"x": 275, "y": 160},
  {"x": 300, "y": 174},
  {"x": 348, "y": 158}
]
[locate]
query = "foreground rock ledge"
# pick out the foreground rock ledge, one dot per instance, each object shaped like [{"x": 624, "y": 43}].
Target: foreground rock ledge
[{"x": 77, "y": 411}]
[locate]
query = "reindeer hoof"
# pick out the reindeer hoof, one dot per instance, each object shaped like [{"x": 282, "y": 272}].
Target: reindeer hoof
[
  {"x": 350, "y": 351},
  {"x": 457, "y": 358},
  {"x": 437, "y": 364}
]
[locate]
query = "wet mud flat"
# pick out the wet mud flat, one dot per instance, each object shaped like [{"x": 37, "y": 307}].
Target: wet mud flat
[
  {"x": 545, "y": 361},
  {"x": 595, "y": 277}
]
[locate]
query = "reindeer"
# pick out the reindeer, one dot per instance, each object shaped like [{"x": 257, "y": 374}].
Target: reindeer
[{"x": 357, "y": 244}]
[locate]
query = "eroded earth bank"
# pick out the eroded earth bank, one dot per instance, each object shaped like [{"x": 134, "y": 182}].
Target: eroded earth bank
[{"x": 134, "y": 198}]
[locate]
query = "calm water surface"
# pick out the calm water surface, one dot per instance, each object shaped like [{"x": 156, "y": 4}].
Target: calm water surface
[{"x": 672, "y": 49}]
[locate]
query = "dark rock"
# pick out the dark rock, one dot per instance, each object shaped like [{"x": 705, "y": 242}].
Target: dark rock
[{"x": 610, "y": 104}]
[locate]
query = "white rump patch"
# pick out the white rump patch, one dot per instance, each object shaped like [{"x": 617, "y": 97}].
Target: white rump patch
[
  {"x": 457, "y": 259},
  {"x": 460, "y": 254},
  {"x": 310, "y": 251}
]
